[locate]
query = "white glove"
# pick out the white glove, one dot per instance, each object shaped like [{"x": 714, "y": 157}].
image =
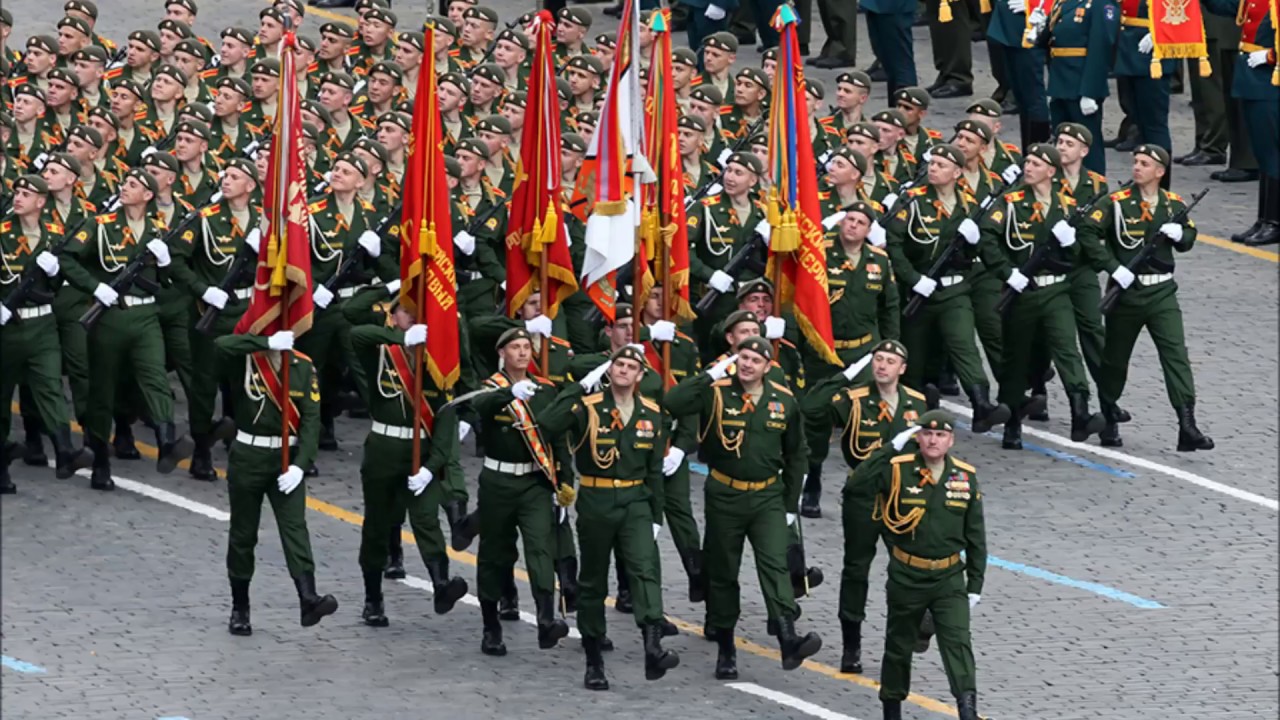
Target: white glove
[
  {"x": 672, "y": 460},
  {"x": 5, "y": 314},
  {"x": 1011, "y": 173},
  {"x": 1256, "y": 58},
  {"x": 791, "y": 519},
  {"x": 280, "y": 341},
  {"x": 1018, "y": 6},
  {"x": 393, "y": 287},
  {"x": 105, "y": 295},
  {"x": 721, "y": 281},
  {"x": 833, "y": 220},
  {"x": 657, "y": 529},
  {"x": 540, "y": 325},
  {"x": 764, "y": 229},
  {"x": 464, "y": 429},
  {"x": 663, "y": 331},
  {"x": 48, "y": 262},
  {"x": 253, "y": 239},
  {"x": 371, "y": 243},
  {"x": 322, "y": 297},
  {"x": 928, "y": 156},
  {"x": 714, "y": 12},
  {"x": 889, "y": 200},
  {"x": 721, "y": 369},
  {"x": 1017, "y": 280},
  {"x": 1088, "y": 105},
  {"x": 465, "y": 242},
  {"x": 1173, "y": 231},
  {"x": 1037, "y": 19},
  {"x": 1065, "y": 234},
  {"x": 1123, "y": 277},
  {"x": 161, "y": 251},
  {"x": 149, "y": 151},
  {"x": 899, "y": 441},
  {"x": 852, "y": 371},
  {"x": 774, "y": 328},
  {"x": 876, "y": 236},
  {"x": 524, "y": 389},
  {"x": 415, "y": 335},
  {"x": 290, "y": 480},
  {"x": 925, "y": 285},
  {"x": 974, "y": 599},
  {"x": 969, "y": 229},
  {"x": 215, "y": 297},
  {"x": 1146, "y": 44},
  {"x": 717, "y": 188},
  {"x": 592, "y": 379},
  {"x": 419, "y": 481}
]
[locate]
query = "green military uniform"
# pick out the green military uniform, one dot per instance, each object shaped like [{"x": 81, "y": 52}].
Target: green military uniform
[
  {"x": 717, "y": 232},
  {"x": 1082, "y": 283},
  {"x": 984, "y": 286}
]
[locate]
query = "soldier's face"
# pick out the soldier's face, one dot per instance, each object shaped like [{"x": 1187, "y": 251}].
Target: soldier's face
[
  {"x": 189, "y": 64},
  {"x": 472, "y": 165},
  {"x": 1071, "y": 149},
  {"x": 60, "y": 94},
  {"x": 751, "y": 366},
  {"x": 507, "y": 54},
  {"x": 27, "y": 203},
  {"x": 708, "y": 112},
  {"x": 450, "y": 97},
  {"x": 27, "y": 108},
  {"x": 381, "y": 87},
  {"x": 455, "y": 11},
  {"x": 332, "y": 46},
  {"x": 38, "y": 60},
  {"x": 262, "y": 162},
  {"x": 515, "y": 115},
  {"x": 886, "y": 366},
  {"x": 943, "y": 172},
  {"x": 934, "y": 444},
  {"x": 605, "y": 53},
  {"x": 123, "y": 103},
  {"x": 848, "y": 96},
  {"x": 59, "y": 177},
  {"x": 532, "y": 307},
  {"x": 1036, "y": 171},
  {"x": 266, "y": 86},
  {"x": 854, "y": 228},
  {"x": 375, "y": 33},
  {"x": 737, "y": 180},
  {"x": 497, "y": 142},
  {"x": 864, "y": 145},
  {"x": 232, "y": 51},
  {"x": 88, "y": 73},
  {"x": 180, "y": 13},
  {"x": 345, "y": 177},
  {"x": 580, "y": 81},
  {"x": 333, "y": 97},
  {"x": 913, "y": 112},
  {"x": 227, "y": 102},
  {"x": 569, "y": 32},
  {"x": 842, "y": 172},
  {"x": 164, "y": 178},
  {"x": 476, "y": 32},
  {"x": 70, "y": 40},
  {"x": 236, "y": 184},
  {"x": 270, "y": 31},
  {"x": 746, "y": 92},
  {"x": 624, "y": 373},
  {"x": 371, "y": 160},
  {"x": 164, "y": 88},
  {"x": 484, "y": 90},
  {"x": 189, "y": 147},
  {"x": 391, "y": 136},
  {"x": 770, "y": 68},
  {"x": 134, "y": 193},
  {"x": 409, "y": 57},
  {"x": 653, "y": 305},
  {"x": 402, "y": 319},
  {"x": 570, "y": 161},
  {"x": 104, "y": 128},
  {"x": 890, "y": 134},
  {"x": 139, "y": 55},
  {"x": 516, "y": 354},
  {"x": 690, "y": 141},
  {"x": 970, "y": 145},
  {"x": 716, "y": 60},
  {"x": 760, "y": 303},
  {"x": 681, "y": 75},
  {"x": 81, "y": 150},
  {"x": 742, "y": 331},
  {"x": 168, "y": 40},
  {"x": 620, "y": 333}
]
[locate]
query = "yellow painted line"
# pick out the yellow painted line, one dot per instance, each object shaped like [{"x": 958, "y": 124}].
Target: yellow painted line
[
  {"x": 327, "y": 15},
  {"x": 1238, "y": 248}
]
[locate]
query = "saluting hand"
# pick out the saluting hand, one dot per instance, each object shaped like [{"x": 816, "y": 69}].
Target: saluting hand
[
  {"x": 721, "y": 369},
  {"x": 900, "y": 440}
]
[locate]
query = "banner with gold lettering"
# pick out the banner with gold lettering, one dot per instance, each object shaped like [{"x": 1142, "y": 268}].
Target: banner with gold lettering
[{"x": 1177, "y": 33}]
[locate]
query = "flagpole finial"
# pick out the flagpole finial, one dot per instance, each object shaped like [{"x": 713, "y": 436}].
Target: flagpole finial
[{"x": 786, "y": 15}]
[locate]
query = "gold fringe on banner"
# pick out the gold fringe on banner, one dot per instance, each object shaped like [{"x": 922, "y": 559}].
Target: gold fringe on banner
[
  {"x": 944, "y": 11},
  {"x": 611, "y": 207}
]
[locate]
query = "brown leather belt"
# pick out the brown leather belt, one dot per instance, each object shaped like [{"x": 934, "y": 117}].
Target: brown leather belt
[
  {"x": 854, "y": 343},
  {"x": 742, "y": 484},
  {"x": 1068, "y": 52},
  {"x": 599, "y": 482},
  {"x": 907, "y": 558}
]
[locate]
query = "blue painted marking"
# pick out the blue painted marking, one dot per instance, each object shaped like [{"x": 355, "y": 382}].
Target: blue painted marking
[
  {"x": 1060, "y": 455},
  {"x": 700, "y": 468},
  {"x": 20, "y": 666},
  {"x": 1096, "y": 588}
]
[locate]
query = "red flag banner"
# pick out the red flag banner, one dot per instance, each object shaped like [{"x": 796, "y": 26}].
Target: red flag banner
[
  {"x": 281, "y": 297},
  {"x": 428, "y": 277},
  {"x": 1177, "y": 31},
  {"x": 537, "y": 242}
]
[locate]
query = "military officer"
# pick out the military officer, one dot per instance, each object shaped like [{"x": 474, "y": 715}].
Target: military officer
[
  {"x": 751, "y": 89},
  {"x": 1133, "y": 61},
  {"x": 1113, "y": 236},
  {"x": 251, "y": 366},
  {"x": 853, "y": 88},
  {"x": 1014, "y": 30},
  {"x": 998, "y": 155},
  {"x": 927, "y": 529},
  {"x": 889, "y": 28},
  {"x": 1081, "y": 36},
  {"x": 892, "y": 156},
  {"x": 913, "y": 103}
]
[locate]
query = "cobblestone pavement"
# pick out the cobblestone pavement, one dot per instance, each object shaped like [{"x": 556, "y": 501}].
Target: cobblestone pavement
[{"x": 1135, "y": 584}]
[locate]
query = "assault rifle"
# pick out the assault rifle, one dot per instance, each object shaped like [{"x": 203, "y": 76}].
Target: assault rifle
[
  {"x": 1151, "y": 242},
  {"x": 26, "y": 288}
]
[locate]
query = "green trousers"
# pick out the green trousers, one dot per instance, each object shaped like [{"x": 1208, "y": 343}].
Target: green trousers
[
  {"x": 616, "y": 520},
  {"x": 252, "y": 473},
  {"x": 202, "y": 395},
  {"x": 840, "y": 23},
  {"x": 952, "y": 322},
  {"x": 384, "y": 482},
  {"x": 861, "y": 534},
  {"x": 68, "y": 305},
  {"x": 127, "y": 341},
  {"x": 509, "y": 504},
  {"x": 986, "y": 320},
  {"x": 910, "y": 594},
  {"x": 678, "y": 511},
  {"x": 732, "y": 517},
  {"x": 176, "y": 323},
  {"x": 952, "y": 43},
  {"x": 1083, "y": 287},
  {"x": 1156, "y": 309},
  {"x": 328, "y": 344},
  {"x": 1041, "y": 317},
  {"x": 32, "y": 358}
]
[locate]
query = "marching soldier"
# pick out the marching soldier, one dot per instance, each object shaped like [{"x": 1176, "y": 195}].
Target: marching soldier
[
  {"x": 479, "y": 26},
  {"x": 892, "y": 155},
  {"x": 31, "y": 135},
  {"x": 927, "y": 528},
  {"x": 264, "y": 84},
  {"x": 142, "y": 57},
  {"x": 251, "y": 364},
  {"x": 377, "y": 29},
  {"x": 998, "y": 155},
  {"x": 697, "y": 171},
  {"x": 913, "y": 103},
  {"x": 1120, "y": 227},
  {"x": 719, "y": 52},
  {"x": 233, "y": 55},
  {"x": 852, "y": 90},
  {"x": 198, "y": 180},
  {"x": 618, "y": 439},
  {"x": 1081, "y": 38},
  {"x": 231, "y": 136},
  {"x": 751, "y": 89},
  {"x": 852, "y": 180},
  {"x": 135, "y": 133}
]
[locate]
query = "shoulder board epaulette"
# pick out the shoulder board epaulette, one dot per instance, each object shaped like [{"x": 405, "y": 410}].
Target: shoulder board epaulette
[
  {"x": 541, "y": 380},
  {"x": 1010, "y": 147},
  {"x": 18, "y": 81},
  {"x": 1097, "y": 176},
  {"x": 781, "y": 388},
  {"x": 696, "y": 81},
  {"x": 455, "y": 52},
  {"x": 498, "y": 192},
  {"x": 319, "y": 205},
  {"x": 54, "y": 227},
  {"x": 917, "y": 191},
  {"x": 831, "y": 130},
  {"x": 828, "y": 120},
  {"x": 593, "y": 398},
  {"x": 651, "y": 404},
  {"x": 1173, "y": 195},
  {"x": 6, "y": 226},
  {"x": 726, "y": 109},
  {"x": 354, "y": 50},
  {"x": 723, "y": 382},
  {"x": 366, "y": 204},
  {"x": 888, "y": 177},
  {"x": 1015, "y": 196},
  {"x": 303, "y": 357},
  {"x": 877, "y": 250},
  {"x": 356, "y": 108},
  {"x": 993, "y": 176},
  {"x": 313, "y": 67},
  {"x": 933, "y": 134},
  {"x": 114, "y": 73},
  {"x": 907, "y": 156},
  {"x": 247, "y": 106},
  {"x": 682, "y": 336},
  {"x": 213, "y": 210},
  {"x": 907, "y": 457},
  {"x": 560, "y": 341},
  {"x": 859, "y": 392},
  {"x": 105, "y": 219},
  {"x": 914, "y": 393},
  {"x": 1122, "y": 194},
  {"x": 87, "y": 206},
  {"x": 963, "y": 465},
  {"x": 211, "y": 72},
  {"x": 824, "y": 194}
]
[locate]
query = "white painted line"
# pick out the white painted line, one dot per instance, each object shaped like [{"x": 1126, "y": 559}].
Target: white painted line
[
  {"x": 469, "y": 599},
  {"x": 795, "y": 703},
  {"x": 165, "y": 496},
  {"x": 1117, "y": 456}
]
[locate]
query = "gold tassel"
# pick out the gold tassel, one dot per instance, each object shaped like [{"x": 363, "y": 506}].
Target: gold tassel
[
  {"x": 944, "y": 11},
  {"x": 649, "y": 232},
  {"x": 985, "y": 6},
  {"x": 1275, "y": 76},
  {"x": 771, "y": 212},
  {"x": 786, "y": 235},
  {"x": 1157, "y": 71},
  {"x": 1205, "y": 68},
  {"x": 545, "y": 235}
]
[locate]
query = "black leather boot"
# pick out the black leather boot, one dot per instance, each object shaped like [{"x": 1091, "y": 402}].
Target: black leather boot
[
  {"x": 33, "y": 444},
  {"x": 622, "y": 603},
  {"x": 892, "y": 709},
  {"x": 967, "y": 705},
  {"x": 851, "y": 658},
  {"x": 202, "y": 457},
  {"x": 1189, "y": 436},
  {"x": 375, "y": 611},
  {"x": 551, "y": 629},
  {"x": 313, "y": 606},
  {"x": 693, "y": 567},
  {"x": 328, "y": 440},
  {"x": 1083, "y": 422},
  {"x": 657, "y": 661},
  {"x": 239, "y": 622},
  {"x": 509, "y": 605},
  {"x": 172, "y": 449},
  {"x": 794, "y": 647},
  {"x": 594, "y": 678},
  {"x": 394, "y": 569},
  {"x": 69, "y": 459},
  {"x": 811, "y": 496},
  {"x": 932, "y": 396},
  {"x": 926, "y": 633},
  {"x": 101, "y": 477},
  {"x": 123, "y": 443},
  {"x": 1268, "y": 230},
  {"x": 1012, "y": 437},
  {"x": 986, "y": 414},
  {"x": 1110, "y": 435},
  {"x": 948, "y": 384},
  {"x": 491, "y": 642},
  {"x": 669, "y": 628},
  {"x": 727, "y": 657},
  {"x": 10, "y": 450},
  {"x": 446, "y": 591},
  {"x": 462, "y": 527},
  {"x": 567, "y": 574}
]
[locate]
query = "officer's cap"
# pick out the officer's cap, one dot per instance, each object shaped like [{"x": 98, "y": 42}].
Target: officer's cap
[
  {"x": 1075, "y": 131},
  {"x": 693, "y": 122},
  {"x": 320, "y": 111},
  {"x": 174, "y": 72},
  {"x": 148, "y": 38},
  {"x": 892, "y": 347},
  {"x": 815, "y": 88},
  {"x": 492, "y": 73},
  {"x": 63, "y": 76},
  {"x": 1155, "y": 152},
  {"x": 333, "y": 77},
  {"x": 627, "y": 352},
  {"x": 866, "y": 208},
  {"x": 721, "y": 41},
  {"x": 477, "y": 12},
  {"x": 739, "y": 316},
  {"x": 374, "y": 148},
  {"x": 977, "y": 127},
  {"x": 84, "y": 6},
  {"x": 104, "y": 113},
  {"x": 510, "y": 336},
  {"x": 196, "y": 111},
  {"x": 708, "y": 94},
  {"x": 588, "y": 117},
  {"x": 853, "y": 156},
  {"x": 6, "y": 17},
  {"x": 143, "y": 177},
  {"x": 770, "y": 54},
  {"x": 986, "y": 107},
  {"x": 89, "y": 135},
  {"x": 44, "y": 42},
  {"x": 354, "y": 161},
  {"x": 90, "y": 53},
  {"x": 892, "y": 116},
  {"x": 306, "y": 44},
  {"x": 234, "y": 84},
  {"x": 388, "y": 67},
  {"x": 163, "y": 160},
  {"x": 949, "y": 152},
  {"x": 755, "y": 75},
  {"x": 34, "y": 183},
  {"x": 578, "y": 16},
  {"x": 382, "y": 15},
  {"x": 456, "y": 79},
  {"x": 856, "y": 78},
  {"x": 363, "y": 6},
  {"x": 915, "y": 96},
  {"x": 132, "y": 86},
  {"x": 78, "y": 24},
  {"x": 937, "y": 420},
  {"x": 452, "y": 167},
  {"x": 684, "y": 56},
  {"x": 474, "y": 146},
  {"x": 272, "y": 12},
  {"x": 66, "y": 160},
  {"x": 609, "y": 40},
  {"x": 759, "y": 285},
  {"x": 417, "y": 40},
  {"x": 516, "y": 98},
  {"x": 188, "y": 5},
  {"x": 1045, "y": 153},
  {"x": 573, "y": 142},
  {"x": 309, "y": 131},
  {"x": 194, "y": 48},
  {"x": 495, "y": 124},
  {"x": 399, "y": 119},
  {"x": 239, "y": 164},
  {"x": 516, "y": 38},
  {"x": 757, "y": 345},
  {"x": 30, "y": 89},
  {"x": 179, "y": 28},
  {"x": 339, "y": 29},
  {"x": 587, "y": 63},
  {"x": 195, "y": 127},
  {"x": 748, "y": 161}
]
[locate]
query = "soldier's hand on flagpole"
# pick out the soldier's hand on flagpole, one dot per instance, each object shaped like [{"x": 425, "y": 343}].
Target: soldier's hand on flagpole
[
  {"x": 160, "y": 251},
  {"x": 1256, "y": 58},
  {"x": 925, "y": 286},
  {"x": 5, "y": 314},
  {"x": 1088, "y": 105},
  {"x": 720, "y": 370},
  {"x": 322, "y": 296},
  {"x": 419, "y": 481},
  {"x": 281, "y": 341},
  {"x": 416, "y": 335},
  {"x": 969, "y": 229},
  {"x": 856, "y": 368},
  {"x": 540, "y": 325},
  {"x": 1016, "y": 280},
  {"x": 900, "y": 440},
  {"x": 290, "y": 479},
  {"x": 524, "y": 389},
  {"x": 591, "y": 382},
  {"x": 721, "y": 281},
  {"x": 662, "y": 331},
  {"x": 1123, "y": 276},
  {"x": 1146, "y": 44},
  {"x": 774, "y": 328},
  {"x": 105, "y": 295},
  {"x": 715, "y": 12},
  {"x": 1037, "y": 19},
  {"x": 215, "y": 297},
  {"x": 1018, "y": 6},
  {"x": 672, "y": 460},
  {"x": 465, "y": 242},
  {"x": 253, "y": 239},
  {"x": 48, "y": 262},
  {"x": 371, "y": 243},
  {"x": 876, "y": 235},
  {"x": 1065, "y": 234}
]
